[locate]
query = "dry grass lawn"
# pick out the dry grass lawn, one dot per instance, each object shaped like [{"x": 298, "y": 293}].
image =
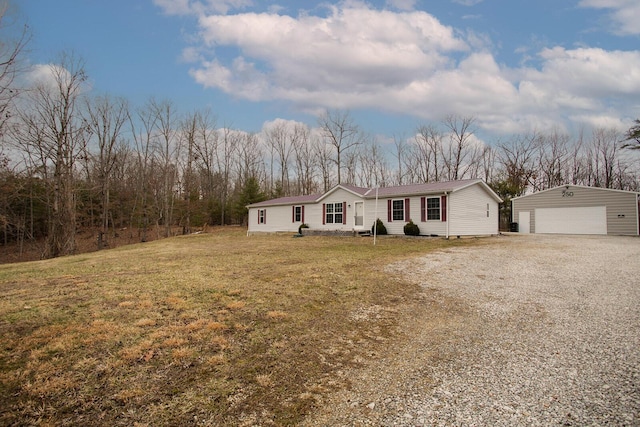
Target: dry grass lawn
[{"x": 211, "y": 329}]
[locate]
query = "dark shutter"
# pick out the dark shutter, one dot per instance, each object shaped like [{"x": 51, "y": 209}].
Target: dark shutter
[
  {"x": 407, "y": 216},
  {"x": 389, "y": 213},
  {"x": 443, "y": 208},
  {"x": 265, "y": 216},
  {"x": 302, "y": 213},
  {"x": 423, "y": 209},
  {"x": 259, "y": 215},
  {"x": 293, "y": 214},
  {"x": 324, "y": 214},
  {"x": 344, "y": 213}
]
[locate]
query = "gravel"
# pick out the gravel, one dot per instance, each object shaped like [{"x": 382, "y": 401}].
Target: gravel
[{"x": 537, "y": 331}]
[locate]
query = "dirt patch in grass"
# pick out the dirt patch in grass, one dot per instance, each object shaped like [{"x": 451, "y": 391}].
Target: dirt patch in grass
[{"x": 213, "y": 329}]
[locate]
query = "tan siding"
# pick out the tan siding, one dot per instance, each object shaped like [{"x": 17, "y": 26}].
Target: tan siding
[{"x": 622, "y": 215}]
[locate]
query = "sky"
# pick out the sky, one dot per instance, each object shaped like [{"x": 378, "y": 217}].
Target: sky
[{"x": 514, "y": 65}]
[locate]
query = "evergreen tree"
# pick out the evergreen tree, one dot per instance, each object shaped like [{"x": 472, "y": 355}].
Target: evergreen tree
[
  {"x": 633, "y": 135},
  {"x": 250, "y": 193}
]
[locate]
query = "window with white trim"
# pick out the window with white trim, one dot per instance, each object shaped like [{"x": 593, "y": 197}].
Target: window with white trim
[
  {"x": 333, "y": 213},
  {"x": 433, "y": 208},
  {"x": 262, "y": 216},
  {"x": 397, "y": 210},
  {"x": 297, "y": 214}
]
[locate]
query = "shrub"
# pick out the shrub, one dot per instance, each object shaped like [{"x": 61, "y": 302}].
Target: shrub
[
  {"x": 381, "y": 230},
  {"x": 411, "y": 229},
  {"x": 303, "y": 225}
]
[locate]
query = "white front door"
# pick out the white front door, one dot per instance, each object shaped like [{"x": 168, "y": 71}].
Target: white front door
[
  {"x": 524, "y": 222},
  {"x": 358, "y": 213}
]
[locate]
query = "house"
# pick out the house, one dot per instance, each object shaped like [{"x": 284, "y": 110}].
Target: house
[
  {"x": 577, "y": 209},
  {"x": 455, "y": 208}
]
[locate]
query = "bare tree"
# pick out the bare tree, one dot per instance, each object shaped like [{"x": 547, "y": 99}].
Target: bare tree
[
  {"x": 279, "y": 139},
  {"x": 428, "y": 153},
  {"x": 488, "y": 160},
  {"x": 341, "y": 132},
  {"x": 105, "y": 119},
  {"x": 576, "y": 164},
  {"x": 322, "y": 152},
  {"x": 168, "y": 149},
  {"x": 605, "y": 146},
  {"x": 143, "y": 139},
  {"x": 224, "y": 158},
  {"x": 374, "y": 169},
  {"x": 51, "y": 131},
  {"x": 305, "y": 161},
  {"x": 249, "y": 159},
  {"x": 461, "y": 154},
  {"x": 401, "y": 148},
  {"x": 553, "y": 151},
  {"x": 189, "y": 133},
  {"x": 11, "y": 50},
  {"x": 206, "y": 148},
  {"x": 517, "y": 160}
]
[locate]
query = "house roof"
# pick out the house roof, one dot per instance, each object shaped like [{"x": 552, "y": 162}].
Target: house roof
[
  {"x": 384, "y": 192},
  {"x": 578, "y": 186},
  {"x": 292, "y": 200},
  {"x": 426, "y": 188},
  {"x": 358, "y": 191}
]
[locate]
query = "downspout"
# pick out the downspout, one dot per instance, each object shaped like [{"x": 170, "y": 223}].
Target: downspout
[{"x": 446, "y": 193}]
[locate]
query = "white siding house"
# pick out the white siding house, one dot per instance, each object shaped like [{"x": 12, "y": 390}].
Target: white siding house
[{"x": 455, "y": 208}]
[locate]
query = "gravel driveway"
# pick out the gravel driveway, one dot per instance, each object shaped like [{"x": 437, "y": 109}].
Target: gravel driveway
[{"x": 541, "y": 330}]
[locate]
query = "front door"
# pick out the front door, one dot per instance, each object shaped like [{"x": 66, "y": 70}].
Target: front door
[
  {"x": 524, "y": 222},
  {"x": 358, "y": 214}
]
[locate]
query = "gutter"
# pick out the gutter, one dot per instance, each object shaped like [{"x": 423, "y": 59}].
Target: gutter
[{"x": 446, "y": 193}]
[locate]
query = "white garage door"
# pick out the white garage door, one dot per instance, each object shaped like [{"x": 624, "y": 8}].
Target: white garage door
[{"x": 587, "y": 220}]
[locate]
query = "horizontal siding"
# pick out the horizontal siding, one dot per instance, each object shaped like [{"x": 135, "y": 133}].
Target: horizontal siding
[
  {"x": 469, "y": 212},
  {"x": 622, "y": 208},
  {"x": 339, "y": 196},
  {"x": 427, "y": 228},
  {"x": 466, "y": 213},
  {"x": 278, "y": 219}
]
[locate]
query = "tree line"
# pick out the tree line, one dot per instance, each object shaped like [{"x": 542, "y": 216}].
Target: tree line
[{"x": 74, "y": 160}]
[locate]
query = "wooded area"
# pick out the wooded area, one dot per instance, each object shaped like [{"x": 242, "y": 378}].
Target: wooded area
[{"x": 71, "y": 159}]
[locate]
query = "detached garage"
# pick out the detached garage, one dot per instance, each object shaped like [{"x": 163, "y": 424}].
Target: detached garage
[{"x": 576, "y": 209}]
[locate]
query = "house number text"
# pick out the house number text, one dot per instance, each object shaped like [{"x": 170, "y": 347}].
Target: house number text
[{"x": 567, "y": 193}]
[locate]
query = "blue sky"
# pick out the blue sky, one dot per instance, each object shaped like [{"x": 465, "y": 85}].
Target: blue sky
[{"x": 514, "y": 65}]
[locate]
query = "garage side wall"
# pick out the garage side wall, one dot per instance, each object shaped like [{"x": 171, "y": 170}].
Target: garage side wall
[{"x": 622, "y": 208}]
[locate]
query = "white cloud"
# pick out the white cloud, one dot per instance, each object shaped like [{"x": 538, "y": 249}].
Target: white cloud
[
  {"x": 401, "y": 4},
  {"x": 191, "y": 54},
  {"x": 408, "y": 63},
  {"x": 468, "y": 2},
  {"x": 604, "y": 120},
  {"x": 351, "y": 48},
  {"x": 196, "y": 7},
  {"x": 625, "y": 14},
  {"x": 593, "y": 71},
  {"x": 49, "y": 76}
]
